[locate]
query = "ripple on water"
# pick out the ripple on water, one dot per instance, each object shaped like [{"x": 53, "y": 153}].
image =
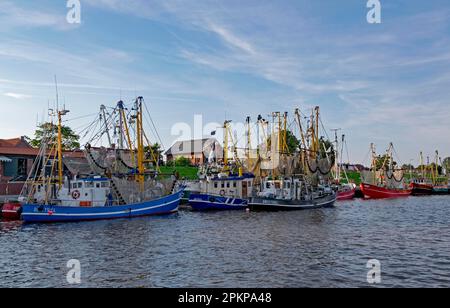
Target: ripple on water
[{"x": 319, "y": 248}]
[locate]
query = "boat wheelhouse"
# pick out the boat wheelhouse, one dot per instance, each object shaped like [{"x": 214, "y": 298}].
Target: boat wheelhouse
[{"x": 223, "y": 192}]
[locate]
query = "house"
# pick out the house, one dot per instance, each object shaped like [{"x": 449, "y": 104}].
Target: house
[
  {"x": 17, "y": 157},
  {"x": 16, "y": 160},
  {"x": 353, "y": 168},
  {"x": 197, "y": 151}
]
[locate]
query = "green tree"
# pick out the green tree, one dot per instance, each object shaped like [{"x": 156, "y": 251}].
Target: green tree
[
  {"x": 293, "y": 144},
  {"x": 70, "y": 140},
  {"x": 381, "y": 161},
  {"x": 154, "y": 153},
  {"x": 182, "y": 162}
]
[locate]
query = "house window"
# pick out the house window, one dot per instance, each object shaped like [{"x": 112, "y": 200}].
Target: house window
[
  {"x": 223, "y": 184},
  {"x": 228, "y": 185},
  {"x": 216, "y": 185},
  {"x": 22, "y": 166},
  {"x": 17, "y": 167},
  {"x": 234, "y": 184}
]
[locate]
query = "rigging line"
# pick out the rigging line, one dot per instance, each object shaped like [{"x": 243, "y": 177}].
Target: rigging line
[
  {"x": 80, "y": 117},
  {"x": 323, "y": 127},
  {"x": 154, "y": 126}
]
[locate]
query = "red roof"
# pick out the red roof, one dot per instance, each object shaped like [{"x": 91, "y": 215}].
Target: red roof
[{"x": 19, "y": 146}]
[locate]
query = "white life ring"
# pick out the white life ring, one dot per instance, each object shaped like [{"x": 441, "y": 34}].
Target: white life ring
[{"x": 76, "y": 194}]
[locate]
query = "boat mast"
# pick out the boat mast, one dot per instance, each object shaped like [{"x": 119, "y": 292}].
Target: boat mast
[
  {"x": 123, "y": 122},
  {"x": 249, "y": 142},
  {"x": 302, "y": 135},
  {"x": 316, "y": 131},
  {"x": 226, "y": 128},
  {"x": 140, "y": 142},
  {"x": 336, "y": 156},
  {"x": 60, "y": 147},
  {"x": 374, "y": 163},
  {"x": 120, "y": 105},
  {"x": 105, "y": 120},
  {"x": 422, "y": 166}
]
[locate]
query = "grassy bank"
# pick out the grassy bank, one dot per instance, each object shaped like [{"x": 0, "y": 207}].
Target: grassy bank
[{"x": 189, "y": 173}]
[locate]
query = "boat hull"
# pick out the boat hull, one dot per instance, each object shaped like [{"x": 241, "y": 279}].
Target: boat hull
[
  {"x": 346, "y": 195},
  {"x": 204, "y": 202},
  {"x": 421, "y": 189},
  {"x": 440, "y": 190},
  {"x": 375, "y": 192},
  {"x": 274, "y": 205},
  {"x": 34, "y": 213},
  {"x": 11, "y": 211}
]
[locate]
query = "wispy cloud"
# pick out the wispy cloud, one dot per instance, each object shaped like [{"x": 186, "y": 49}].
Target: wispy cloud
[{"x": 17, "y": 95}]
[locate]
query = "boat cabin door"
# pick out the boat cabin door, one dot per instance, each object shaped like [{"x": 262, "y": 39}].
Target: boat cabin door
[{"x": 244, "y": 189}]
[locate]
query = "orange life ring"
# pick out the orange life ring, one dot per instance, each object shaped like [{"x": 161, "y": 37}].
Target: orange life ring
[{"x": 76, "y": 194}]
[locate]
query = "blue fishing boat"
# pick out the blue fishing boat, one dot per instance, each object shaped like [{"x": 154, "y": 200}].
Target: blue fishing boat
[
  {"x": 35, "y": 213},
  {"x": 223, "y": 192},
  {"x": 120, "y": 182}
]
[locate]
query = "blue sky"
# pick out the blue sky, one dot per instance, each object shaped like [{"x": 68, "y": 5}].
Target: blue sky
[{"x": 379, "y": 83}]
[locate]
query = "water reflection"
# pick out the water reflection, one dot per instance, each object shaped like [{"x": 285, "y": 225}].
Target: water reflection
[{"x": 319, "y": 248}]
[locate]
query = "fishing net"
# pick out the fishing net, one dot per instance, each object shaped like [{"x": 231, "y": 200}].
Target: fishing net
[{"x": 129, "y": 190}]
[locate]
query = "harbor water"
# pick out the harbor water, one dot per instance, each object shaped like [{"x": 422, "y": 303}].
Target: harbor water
[{"x": 318, "y": 248}]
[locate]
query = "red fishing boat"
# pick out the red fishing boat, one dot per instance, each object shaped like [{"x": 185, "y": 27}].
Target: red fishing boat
[
  {"x": 376, "y": 192},
  {"x": 12, "y": 211},
  {"x": 383, "y": 183},
  {"x": 421, "y": 189},
  {"x": 347, "y": 193}
]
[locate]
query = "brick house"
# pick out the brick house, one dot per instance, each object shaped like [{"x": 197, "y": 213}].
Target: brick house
[
  {"x": 16, "y": 160},
  {"x": 17, "y": 157},
  {"x": 197, "y": 151}
]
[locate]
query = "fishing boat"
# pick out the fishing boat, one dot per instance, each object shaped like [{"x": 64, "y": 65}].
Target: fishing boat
[
  {"x": 11, "y": 211},
  {"x": 431, "y": 181},
  {"x": 306, "y": 186},
  {"x": 50, "y": 197},
  {"x": 291, "y": 194},
  {"x": 384, "y": 182},
  {"x": 223, "y": 192},
  {"x": 345, "y": 190},
  {"x": 377, "y": 192},
  {"x": 219, "y": 188},
  {"x": 93, "y": 199},
  {"x": 440, "y": 190},
  {"x": 420, "y": 188}
]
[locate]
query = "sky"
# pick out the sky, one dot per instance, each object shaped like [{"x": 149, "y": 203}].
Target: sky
[{"x": 379, "y": 83}]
